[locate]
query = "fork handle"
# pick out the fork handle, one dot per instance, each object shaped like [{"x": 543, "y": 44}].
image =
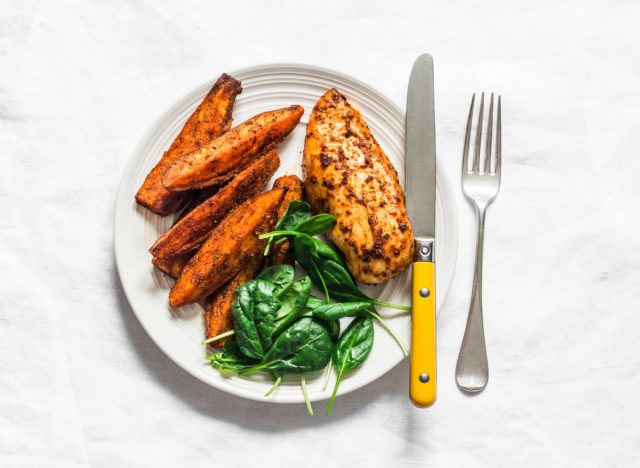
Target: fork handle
[{"x": 472, "y": 370}]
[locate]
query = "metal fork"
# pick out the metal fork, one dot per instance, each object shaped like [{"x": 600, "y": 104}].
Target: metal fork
[{"x": 480, "y": 184}]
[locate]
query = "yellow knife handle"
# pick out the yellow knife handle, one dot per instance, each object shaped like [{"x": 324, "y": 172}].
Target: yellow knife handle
[{"x": 422, "y": 386}]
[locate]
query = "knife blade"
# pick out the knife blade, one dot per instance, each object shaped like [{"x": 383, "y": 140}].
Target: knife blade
[{"x": 420, "y": 169}]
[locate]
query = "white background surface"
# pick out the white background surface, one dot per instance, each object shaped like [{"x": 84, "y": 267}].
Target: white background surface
[{"x": 82, "y": 385}]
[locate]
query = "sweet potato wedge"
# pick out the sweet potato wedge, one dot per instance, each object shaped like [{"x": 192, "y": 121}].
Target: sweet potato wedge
[
  {"x": 192, "y": 230},
  {"x": 228, "y": 154},
  {"x": 174, "y": 264},
  {"x": 217, "y": 313},
  {"x": 293, "y": 184},
  {"x": 229, "y": 247},
  {"x": 211, "y": 119}
]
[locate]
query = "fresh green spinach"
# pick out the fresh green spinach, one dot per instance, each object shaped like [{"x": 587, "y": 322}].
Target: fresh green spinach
[
  {"x": 338, "y": 310},
  {"x": 305, "y": 346},
  {"x": 254, "y": 309},
  {"x": 352, "y": 350},
  {"x": 280, "y": 275},
  {"x": 293, "y": 300}
]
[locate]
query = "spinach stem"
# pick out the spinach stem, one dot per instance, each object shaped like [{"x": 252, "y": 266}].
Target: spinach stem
[
  {"x": 275, "y": 385},
  {"x": 303, "y": 382},
  {"x": 335, "y": 391},
  {"x": 327, "y": 375},
  {"x": 218, "y": 337},
  {"x": 393, "y": 306},
  {"x": 324, "y": 285},
  {"x": 256, "y": 368},
  {"x": 384, "y": 324},
  {"x": 268, "y": 235}
]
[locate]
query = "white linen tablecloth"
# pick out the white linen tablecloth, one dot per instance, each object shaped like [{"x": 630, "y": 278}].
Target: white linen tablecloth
[{"x": 83, "y": 385}]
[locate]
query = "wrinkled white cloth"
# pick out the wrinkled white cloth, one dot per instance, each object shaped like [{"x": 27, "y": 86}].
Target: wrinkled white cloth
[{"x": 83, "y": 385}]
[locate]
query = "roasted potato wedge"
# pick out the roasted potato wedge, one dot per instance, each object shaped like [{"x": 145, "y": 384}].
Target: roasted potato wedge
[
  {"x": 348, "y": 175},
  {"x": 174, "y": 264},
  {"x": 191, "y": 231},
  {"x": 211, "y": 119},
  {"x": 217, "y": 313},
  {"x": 225, "y": 156},
  {"x": 229, "y": 247},
  {"x": 293, "y": 184}
]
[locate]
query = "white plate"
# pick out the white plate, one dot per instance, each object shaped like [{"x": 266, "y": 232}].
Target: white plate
[{"x": 179, "y": 332}]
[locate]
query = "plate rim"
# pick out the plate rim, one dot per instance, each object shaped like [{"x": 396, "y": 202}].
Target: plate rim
[{"x": 122, "y": 189}]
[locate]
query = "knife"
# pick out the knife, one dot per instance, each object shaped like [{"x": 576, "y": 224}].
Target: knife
[{"x": 420, "y": 169}]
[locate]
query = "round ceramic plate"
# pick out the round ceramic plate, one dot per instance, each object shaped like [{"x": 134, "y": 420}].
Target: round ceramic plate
[{"x": 179, "y": 332}]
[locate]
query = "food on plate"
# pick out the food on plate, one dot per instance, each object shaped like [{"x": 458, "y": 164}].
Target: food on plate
[
  {"x": 279, "y": 327},
  {"x": 222, "y": 158},
  {"x": 229, "y": 247},
  {"x": 199, "y": 196},
  {"x": 211, "y": 119},
  {"x": 237, "y": 247},
  {"x": 190, "y": 232},
  {"x": 217, "y": 313},
  {"x": 347, "y": 174},
  {"x": 279, "y": 253}
]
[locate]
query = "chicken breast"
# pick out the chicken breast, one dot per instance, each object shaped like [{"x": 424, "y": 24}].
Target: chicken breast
[{"x": 347, "y": 174}]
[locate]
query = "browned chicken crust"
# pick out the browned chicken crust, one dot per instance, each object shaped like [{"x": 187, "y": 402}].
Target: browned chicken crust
[
  {"x": 193, "y": 229},
  {"x": 293, "y": 184},
  {"x": 211, "y": 119},
  {"x": 223, "y": 157},
  {"x": 348, "y": 175},
  {"x": 229, "y": 247},
  {"x": 217, "y": 313}
]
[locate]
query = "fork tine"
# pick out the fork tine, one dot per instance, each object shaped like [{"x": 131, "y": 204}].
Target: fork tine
[
  {"x": 496, "y": 170},
  {"x": 467, "y": 138},
  {"x": 476, "y": 156},
  {"x": 489, "y": 137}
]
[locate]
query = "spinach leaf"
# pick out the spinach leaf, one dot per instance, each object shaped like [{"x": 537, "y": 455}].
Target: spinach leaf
[
  {"x": 305, "y": 346},
  {"x": 254, "y": 309},
  {"x": 334, "y": 328},
  {"x": 314, "y": 302},
  {"x": 338, "y": 310},
  {"x": 231, "y": 358},
  {"x": 293, "y": 300},
  {"x": 297, "y": 212},
  {"x": 280, "y": 275},
  {"x": 352, "y": 350},
  {"x": 316, "y": 224}
]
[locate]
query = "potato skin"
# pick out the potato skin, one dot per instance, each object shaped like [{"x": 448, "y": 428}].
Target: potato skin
[
  {"x": 192, "y": 230},
  {"x": 217, "y": 313},
  {"x": 229, "y": 247},
  {"x": 348, "y": 175},
  {"x": 223, "y": 157},
  {"x": 279, "y": 253},
  {"x": 211, "y": 119}
]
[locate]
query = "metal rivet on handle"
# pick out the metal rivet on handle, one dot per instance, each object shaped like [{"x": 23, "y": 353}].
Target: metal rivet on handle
[
  {"x": 424, "y": 250},
  {"x": 424, "y": 378},
  {"x": 424, "y": 292}
]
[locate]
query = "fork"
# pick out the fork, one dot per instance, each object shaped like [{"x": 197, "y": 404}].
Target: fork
[{"x": 480, "y": 184}]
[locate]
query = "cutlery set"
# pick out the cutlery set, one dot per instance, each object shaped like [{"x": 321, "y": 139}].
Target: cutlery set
[{"x": 480, "y": 183}]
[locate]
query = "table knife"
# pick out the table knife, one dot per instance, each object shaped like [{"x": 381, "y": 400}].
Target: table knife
[{"x": 420, "y": 182}]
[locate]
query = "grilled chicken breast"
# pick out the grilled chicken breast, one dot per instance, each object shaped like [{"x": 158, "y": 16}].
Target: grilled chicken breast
[
  {"x": 347, "y": 174},
  {"x": 211, "y": 119}
]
